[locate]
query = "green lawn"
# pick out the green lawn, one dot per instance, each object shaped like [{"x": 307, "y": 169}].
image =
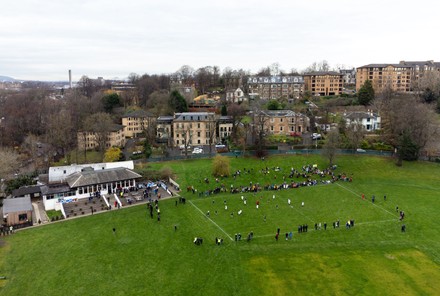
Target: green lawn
[{"x": 146, "y": 257}]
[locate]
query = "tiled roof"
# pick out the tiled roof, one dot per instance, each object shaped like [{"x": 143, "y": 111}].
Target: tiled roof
[
  {"x": 19, "y": 204},
  {"x": 321, "y": 73},
  {"x": 384, "y": 66},
  {"x": 138, "y": 114},
  {"x": 276, "y": 79},
  {"x": 26, "y": 190},
  {"x": 92, "y": 177}
]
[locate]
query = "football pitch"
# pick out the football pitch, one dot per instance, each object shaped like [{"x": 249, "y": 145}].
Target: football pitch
[{"x": 145, "y": 256}]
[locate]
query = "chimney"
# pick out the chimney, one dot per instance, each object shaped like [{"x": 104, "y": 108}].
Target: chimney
[{"x": 70, "y": 78}]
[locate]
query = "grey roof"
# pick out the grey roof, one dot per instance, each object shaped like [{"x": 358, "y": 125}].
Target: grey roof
[
  {"x": 165, "y": 119},
  {"x": 276, "y": 79},
  {"x": 418, "y": 63},
  {"x": 281, "y": 113},
  {"x": 26, "y": 190},
  {"x": 91, "y": 177},
  {"x": 53, "y": 189},
  {"x": 321, "y": 73},
  {"x": 360, "y": 115},
  {"x": 19, "y": 204},
  {"x": 138, "y": 114},
  {"x": 192, "y": 116},
  {"x": 384, "y": 66}
]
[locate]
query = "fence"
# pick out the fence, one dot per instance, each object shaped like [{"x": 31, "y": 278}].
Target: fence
[{"x": 272, "y": 152}]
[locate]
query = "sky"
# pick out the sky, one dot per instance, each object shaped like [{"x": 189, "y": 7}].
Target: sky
[{"x": 42, "y": 40}]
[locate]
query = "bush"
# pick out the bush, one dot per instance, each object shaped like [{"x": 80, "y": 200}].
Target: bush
[{"x": 220, "y": 166}]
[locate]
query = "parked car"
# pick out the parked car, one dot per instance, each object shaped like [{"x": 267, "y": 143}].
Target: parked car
[
  {"x": 197, "y": 151},
  {"x": 359, "y": 150},
  {"x": 182, "y": 147},
  {"x": 316, "y": 136}
]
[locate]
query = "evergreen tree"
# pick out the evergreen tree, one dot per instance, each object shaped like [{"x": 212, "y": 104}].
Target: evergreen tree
[
  {"x": 224, "y": 110},
  {"x": 177, "y": 102},
  {"x": 366, "y": 93},
  {"x": 408, "y": 150}
]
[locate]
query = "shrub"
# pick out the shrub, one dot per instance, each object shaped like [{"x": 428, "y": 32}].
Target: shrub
[{"x": 220, "y": 166}]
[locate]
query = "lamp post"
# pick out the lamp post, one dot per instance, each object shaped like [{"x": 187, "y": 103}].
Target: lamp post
[{"x": 1, "y": 131}]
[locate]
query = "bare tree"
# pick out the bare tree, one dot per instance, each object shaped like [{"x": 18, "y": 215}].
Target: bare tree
[
  {"x": 8, "y": 162},
  {"x": 211, "y": 130},
  {"x": 260, "y": 131},
  {"x": 355, "y": 133},
  {"x": 237, "y": 112},
  {"x": 100, "y": 124},
  {"x": 406, "y": 115},
  {"x": 331, "y": 145}
]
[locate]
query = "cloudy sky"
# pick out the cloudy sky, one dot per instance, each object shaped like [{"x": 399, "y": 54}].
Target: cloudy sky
[{"x": 42, "y": 40}]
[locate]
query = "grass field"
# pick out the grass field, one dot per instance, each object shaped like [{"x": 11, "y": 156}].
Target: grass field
[{"x": 146, "y": 257}]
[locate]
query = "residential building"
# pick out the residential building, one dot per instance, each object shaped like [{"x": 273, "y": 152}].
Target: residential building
[
  {"x": 369, "y": 120},
  {"x": 285, "y": 122},
  {"x": 349, "y": 76},
  {"x": 276, "y": 87},
  {"x": 137, "y": 122},
  {"x": 418, "y": 69},
  {"x": 235, "y": 95},
  {"x": 324, "y": 83},
  {"x": 225, "y": 125},
  {"x": 194, "y": 128},
  {"x": 88, "y": 140},
  {"x": 164, "y": 129},
  {"x": 397, "y": 77}
]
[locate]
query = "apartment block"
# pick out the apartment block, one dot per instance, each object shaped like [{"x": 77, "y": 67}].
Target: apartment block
[
  {"x": 194, "y": 128},
  {"x": 136, "y": 122},
  {"x": 276, "y": 87},
  {"x": 88, "y": 140},
  {"x": 324, "y": 83},
  {"x": 394, "y": 76}
]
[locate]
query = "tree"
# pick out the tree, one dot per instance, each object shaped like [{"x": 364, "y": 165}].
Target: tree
[
  {"x": 110, "y": 101},
  {"x": 220, "y": 166},
  {"x": 159, "y": 104},
  {"x": 366, "y": 93},
  {"x": 100, "y": 124},
  {"x": 60, "y": 131},
  {"x": 331, "y": 145},
  {"x": 224, "y": 111},
  {"x": 407, "y": 120},
  {"x": 236, "y": 111},
  {"x": 177, "y": 102},
  {"x": 260, "y": 132},
  {"x": 8, "y": 163},
  {"x": 147, "y": 148},
  {"x": 211, "y": 130},
  {"x": 355, "y": 133},
  {"x": 407, "y": 149},
  {"x": 112, "y": 154},
  {"x": 273, "y": 105}
]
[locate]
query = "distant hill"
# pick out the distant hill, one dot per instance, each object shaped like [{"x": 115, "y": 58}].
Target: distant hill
[{"x": 6, "y": 79}]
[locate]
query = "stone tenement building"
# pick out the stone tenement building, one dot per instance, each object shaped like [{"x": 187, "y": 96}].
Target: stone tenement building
[{"x": 276, "y": 87}]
